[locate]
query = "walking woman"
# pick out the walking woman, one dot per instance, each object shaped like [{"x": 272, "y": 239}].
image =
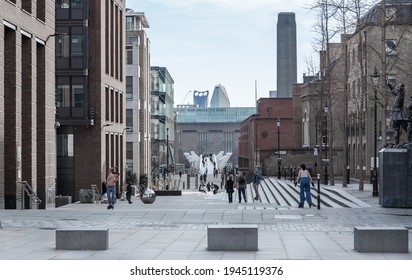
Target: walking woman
[{"x": 305, "y": 180}]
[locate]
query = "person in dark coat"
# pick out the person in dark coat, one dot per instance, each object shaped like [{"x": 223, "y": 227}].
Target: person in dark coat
[
  {"x": 129, "y": 193},
  {"x": 229, "y": 188}
]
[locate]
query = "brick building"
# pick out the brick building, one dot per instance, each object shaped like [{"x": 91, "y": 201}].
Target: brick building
[
  {"x": 27, "y": 109},
  {"x": 258, "y": 140},
  {"x": 90, "y": 91}
]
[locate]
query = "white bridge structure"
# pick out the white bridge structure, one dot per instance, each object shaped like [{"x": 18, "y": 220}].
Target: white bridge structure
[{"x": 205, "y": 163}]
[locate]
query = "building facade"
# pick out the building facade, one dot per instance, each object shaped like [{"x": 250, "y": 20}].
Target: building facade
[
  {"x": 162, "y": 122},
  {"x": 390, "y": 56},
  {"x": 138, "y": 100},
  {"x": 210, "y": 130},
  {"x": 27, "y": 108},
  {"x": 260, "y": 137},
  {"x": 90, "y": 93}
]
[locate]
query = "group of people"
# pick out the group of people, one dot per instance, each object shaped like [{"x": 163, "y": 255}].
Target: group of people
[
  {"x": 109, "y": 188},
  {"x": 304, "y": 180}
]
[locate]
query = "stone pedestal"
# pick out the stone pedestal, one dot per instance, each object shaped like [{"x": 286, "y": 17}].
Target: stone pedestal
[{"x": 395, "y": 178}]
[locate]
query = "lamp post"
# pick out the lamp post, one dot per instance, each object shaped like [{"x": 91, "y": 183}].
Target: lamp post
[
  {"x": 326, "y": 163},
  {"x": 375, "y": 77},
  {"x": 279, "y": 159}
]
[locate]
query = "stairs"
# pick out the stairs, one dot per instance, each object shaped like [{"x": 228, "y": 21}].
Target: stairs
[{"x": 281, "y": 193}]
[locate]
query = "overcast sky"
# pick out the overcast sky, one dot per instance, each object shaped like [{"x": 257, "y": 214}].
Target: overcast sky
[{"x": 230, "y": 42}]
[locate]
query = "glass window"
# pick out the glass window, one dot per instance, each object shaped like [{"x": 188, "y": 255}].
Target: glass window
[
  {"x": 129, "y": 118},
  {"x": 65, "y": 145},
  {"x": 129, "y": 23},
  {"x": 62, "y": 46},
  {"x": 129, "y": 55},
  {"x": 78, "y": 95},
  {"x": 391, "y": 46},
  {"x": 129, "y": 87},
  {"x": 129, "y": 150},
  {"x": 63, "y": 4},
  {"x": 77, "y": 45},
  {"x": 77, "y": 3},
  {"x": 63, "y": 95}
]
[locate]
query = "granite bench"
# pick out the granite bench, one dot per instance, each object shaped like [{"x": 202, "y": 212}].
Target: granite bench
[
  {"x": 82, "y": 239},
  {"x": 381, "y": 239},
  {"x": 232, "y": 237}
]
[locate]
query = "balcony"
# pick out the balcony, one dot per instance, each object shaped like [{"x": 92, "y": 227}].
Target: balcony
[{"x": 76, "y": 115}]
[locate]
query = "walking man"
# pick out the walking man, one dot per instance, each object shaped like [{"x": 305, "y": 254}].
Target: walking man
[
  {"x": 242, "y": 187},
  {"x": 111, "y": 181},
  {"x": 256, "y": 183}
]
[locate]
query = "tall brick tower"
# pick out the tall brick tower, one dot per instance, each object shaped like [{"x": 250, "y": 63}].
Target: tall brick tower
[{"x": 286, "y": 54}]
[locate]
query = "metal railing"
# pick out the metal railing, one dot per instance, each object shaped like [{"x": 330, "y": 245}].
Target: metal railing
[{"x": 30, "y": 193}]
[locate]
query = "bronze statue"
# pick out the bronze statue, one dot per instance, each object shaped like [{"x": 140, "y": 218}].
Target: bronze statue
[{"x": 398, "y": 115}]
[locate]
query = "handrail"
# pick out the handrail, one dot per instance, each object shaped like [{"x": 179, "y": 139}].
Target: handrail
[{"x": 29, "y": 191}]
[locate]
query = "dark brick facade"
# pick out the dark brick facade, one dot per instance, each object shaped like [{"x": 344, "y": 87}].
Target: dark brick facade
[{"x": 97, "y": 125}]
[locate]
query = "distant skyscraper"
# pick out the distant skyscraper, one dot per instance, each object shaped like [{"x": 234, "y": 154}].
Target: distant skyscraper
[
  {"x": 286, "y": 54},
  {"x": 201, "y": 98},
  {"x": 219, "y": 97}
]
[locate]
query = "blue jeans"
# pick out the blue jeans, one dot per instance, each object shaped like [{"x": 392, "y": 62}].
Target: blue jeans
[
  {"x": 230, "y": 196},
  {"x": 242, "y": 190},
  {"x": 305, "y": 189},
  {"x": 111, "y": 194}
]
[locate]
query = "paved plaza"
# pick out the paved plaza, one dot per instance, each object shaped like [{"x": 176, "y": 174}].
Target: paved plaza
[{"x": 175, "y": 228}]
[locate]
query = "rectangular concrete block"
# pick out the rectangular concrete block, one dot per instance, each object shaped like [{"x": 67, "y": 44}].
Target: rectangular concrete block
[
  {"x": 82, "y": 239},
  {"x": 232, "y": 237},
  {"x": 62, "y": 200},
  {"x": 381, "y": 239}
]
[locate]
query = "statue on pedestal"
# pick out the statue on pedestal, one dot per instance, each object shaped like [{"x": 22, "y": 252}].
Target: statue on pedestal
[
  {"x": 409, "y": 114},
  {"x": 398, "y": 116}
]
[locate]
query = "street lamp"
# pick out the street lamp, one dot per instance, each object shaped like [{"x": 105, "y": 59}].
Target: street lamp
[
  {"x": 279, "y": 159},
  {"x": 326, "y": 163},
  {"x": 375, "y": 77}
]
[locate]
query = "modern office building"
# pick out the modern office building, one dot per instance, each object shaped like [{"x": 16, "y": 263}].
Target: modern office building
[
  {"x": 138, "y": 100},
  {"x": 90, "y": 95},
  {"x": 219, "y": 97},
  {"x": 27, "y": 109},
  {"x": 286, "y": 54},
  {"x": 163, "y": 121},
  {"x": 201, "y": 98}
]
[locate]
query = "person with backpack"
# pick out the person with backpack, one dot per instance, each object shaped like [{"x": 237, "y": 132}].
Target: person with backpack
[{"x": 242, "y": 187}]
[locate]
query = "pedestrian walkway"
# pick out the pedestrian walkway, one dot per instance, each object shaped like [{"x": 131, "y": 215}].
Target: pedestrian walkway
[{"x": 175, "y": 228}]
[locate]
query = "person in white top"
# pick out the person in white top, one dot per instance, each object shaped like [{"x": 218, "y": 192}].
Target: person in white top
[{"x": 305, "y": 180}]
